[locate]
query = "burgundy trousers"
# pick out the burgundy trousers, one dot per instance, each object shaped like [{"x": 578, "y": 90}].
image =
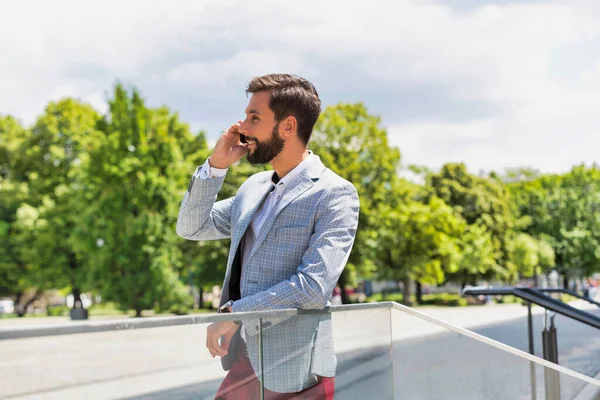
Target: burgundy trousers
[{"x": 241, "y": 383}]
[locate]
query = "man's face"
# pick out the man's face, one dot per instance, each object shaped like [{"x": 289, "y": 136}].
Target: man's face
[{"x": 261, "y": 131}]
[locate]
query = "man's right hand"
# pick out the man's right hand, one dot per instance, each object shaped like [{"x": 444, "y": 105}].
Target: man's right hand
[{"x": 229, "y": 149}]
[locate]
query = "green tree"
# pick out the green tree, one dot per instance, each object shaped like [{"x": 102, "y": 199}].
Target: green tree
[
  {"x": 565, "y": 209},
  {"x": 61, "y": 140},
  {"x": 546, "y": 256},
  {"x": 13, "y": 192},
  {"x": 531, "y": 256},
  {"x": 477, "y": 256},
  {"x": 132, "y": 189},
  {"x": 525, "y": 254},
  {"x": 42, "y": 165},
  {"x": 12, "y": 138},
  {"x": 15, "y": 270},
  {"x": 580, "y": 253},
  {"x": 416, "y": 240},
  {"x": 481, "y": 201}
]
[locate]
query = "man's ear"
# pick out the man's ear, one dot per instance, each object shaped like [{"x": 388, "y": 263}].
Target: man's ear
[{"x": 288, "y": 127}]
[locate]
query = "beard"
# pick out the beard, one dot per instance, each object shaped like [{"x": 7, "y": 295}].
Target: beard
[{"x": 264, "y": 152}]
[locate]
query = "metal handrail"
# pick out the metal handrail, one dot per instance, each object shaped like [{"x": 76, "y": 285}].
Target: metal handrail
[
  {"x": 525, "y": 293},
  {"x": 533, "y": 296},
  {"x": 76, "y": 327},
  {"x": 569, "y": 292}
]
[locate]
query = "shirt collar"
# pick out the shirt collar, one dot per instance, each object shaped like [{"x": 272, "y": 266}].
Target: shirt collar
[{"x": 298, "y": 169}]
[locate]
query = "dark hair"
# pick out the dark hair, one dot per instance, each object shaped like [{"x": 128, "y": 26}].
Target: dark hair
[{"x": 290, "y": 95}]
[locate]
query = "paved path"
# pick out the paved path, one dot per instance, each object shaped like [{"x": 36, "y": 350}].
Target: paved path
[
  {"x": 172, "y": 363},
  {"x": 445, "y": 365}
]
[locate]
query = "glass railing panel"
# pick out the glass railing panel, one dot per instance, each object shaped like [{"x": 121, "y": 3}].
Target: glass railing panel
[
  {"x": 158, "y": 363},
  {"x": 432, "y": 361},
  {"x": 371, "y": 351},
  {"x": 345, "y": 351},
  {"x": 578, "y": 343}
]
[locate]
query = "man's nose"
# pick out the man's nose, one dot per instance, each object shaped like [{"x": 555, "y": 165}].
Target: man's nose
[{"x": 243, "y": 128}]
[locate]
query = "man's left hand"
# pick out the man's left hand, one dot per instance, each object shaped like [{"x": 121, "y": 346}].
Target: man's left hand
[{"x": 225, "y": 329}]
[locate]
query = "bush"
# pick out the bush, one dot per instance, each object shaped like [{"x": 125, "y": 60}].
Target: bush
[
  {"x": 444, "y": 299},
  {"x": 180, "y": 308},
  {"x": 567, "y": 298},
  {"x": 104, "y": 309},
  {"x": 202, "y": 311},
  {"x": 57, "y": 311},
  {"x": 378, "y": 297},
  {"x": 437, "y": 299},
  {"x": 509, "y": 300}
]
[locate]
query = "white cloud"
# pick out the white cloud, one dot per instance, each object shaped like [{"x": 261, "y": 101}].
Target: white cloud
[
  {"x": 533, "y": 67},
  {"x": 243, "y": 65}
]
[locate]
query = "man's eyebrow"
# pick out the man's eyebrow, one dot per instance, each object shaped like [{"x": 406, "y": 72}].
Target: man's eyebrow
[{"x": 252, "y": 111}]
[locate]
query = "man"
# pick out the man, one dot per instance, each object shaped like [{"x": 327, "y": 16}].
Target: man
[{"x": 291, "y": 230}]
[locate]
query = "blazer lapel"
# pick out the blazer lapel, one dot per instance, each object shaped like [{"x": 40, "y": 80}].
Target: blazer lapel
[{"x": 298, "y": 186}]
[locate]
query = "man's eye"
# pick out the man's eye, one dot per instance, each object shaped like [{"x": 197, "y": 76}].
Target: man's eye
[{"x": 254, "y": 118}]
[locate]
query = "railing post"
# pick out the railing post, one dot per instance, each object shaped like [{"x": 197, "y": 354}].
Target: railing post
[
  {"x": 391, "y": 316},
  {"x": 532, "y": 378},
  {"x": 530, "y": 328},
  {"x": 553, "y": 335},
  {"x": 550, "y": 353}
]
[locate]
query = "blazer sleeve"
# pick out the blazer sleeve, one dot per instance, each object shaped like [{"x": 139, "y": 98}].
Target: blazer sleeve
[
  {"x": 200, "y": 218},
  {"x": 322, "y": 263}
]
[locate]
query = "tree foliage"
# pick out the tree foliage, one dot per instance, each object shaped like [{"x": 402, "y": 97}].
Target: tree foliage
[
  {"x": 482, "y": 202},
  {"x": 565, "y": 210},
  {"x": 89, "y": 203}
]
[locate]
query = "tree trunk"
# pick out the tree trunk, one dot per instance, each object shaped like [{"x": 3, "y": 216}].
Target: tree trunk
[
  {"x": 18, "y": 306},
  {"x": 419, "y": 293},
  {"x": 201, "y": 296},
  {"x": 342, "y": 284},
  {"x": 138, "y": 313},
  {"x": 21, "y": 309},
  {"x": 77, "y": 303},
  {"x": 566, "y": 282},
  {"x": 76, "y": 292},
  {"x": 406, "y": 297}
]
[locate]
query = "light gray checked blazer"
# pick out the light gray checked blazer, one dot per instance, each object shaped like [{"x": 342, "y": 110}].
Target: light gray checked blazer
[{"x": 297, "y": 258}]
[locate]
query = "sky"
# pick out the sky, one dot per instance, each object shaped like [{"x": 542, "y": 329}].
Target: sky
[{"x": 494, "y": 84}]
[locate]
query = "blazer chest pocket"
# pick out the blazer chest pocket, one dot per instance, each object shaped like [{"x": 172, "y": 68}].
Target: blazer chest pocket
[{"x": 292, "y": 237}]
